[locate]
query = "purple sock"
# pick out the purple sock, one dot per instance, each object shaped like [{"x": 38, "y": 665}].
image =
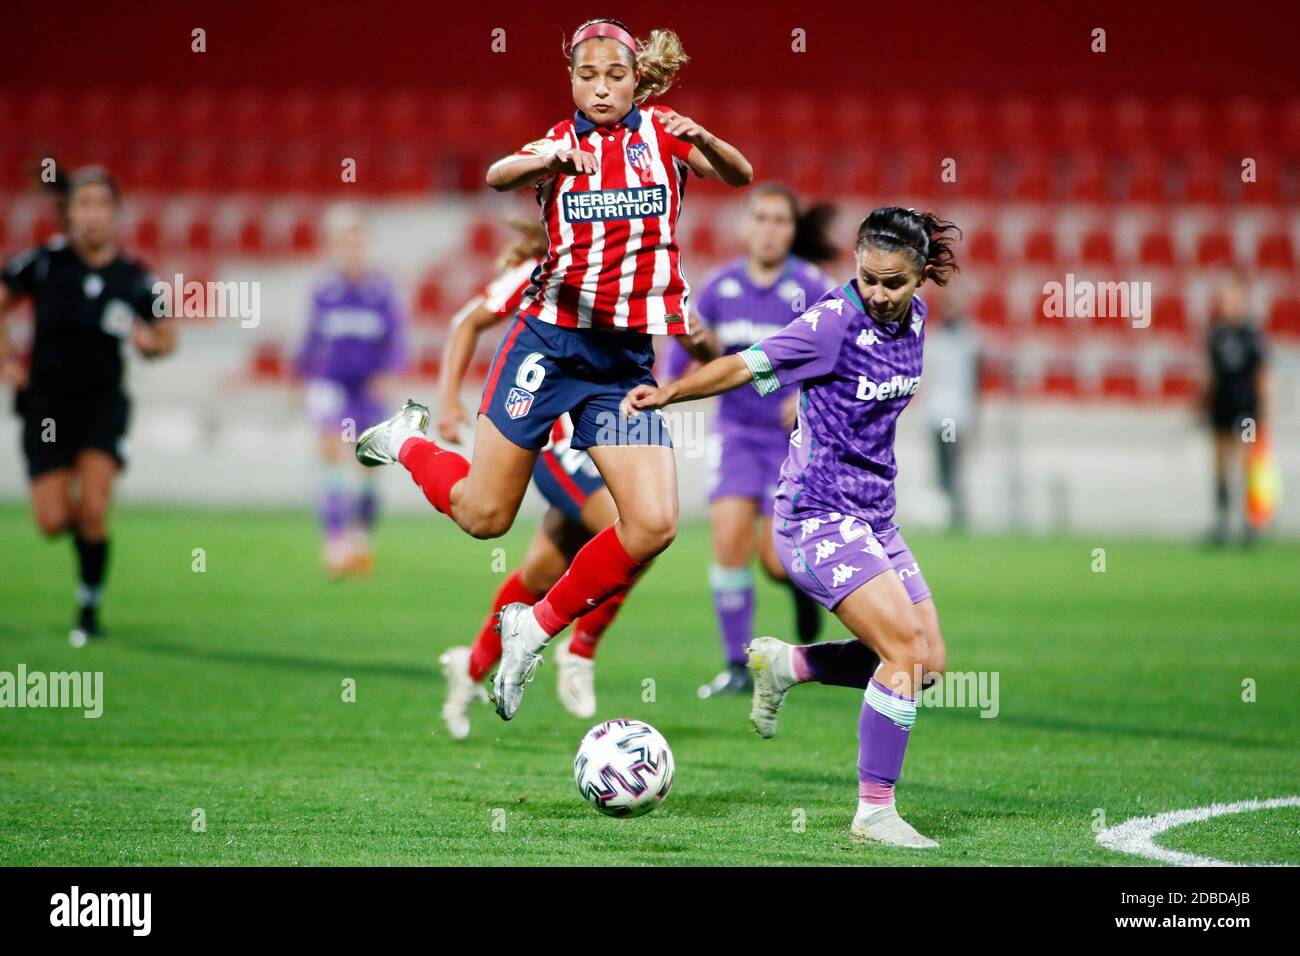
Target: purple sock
[
  {"x": 883, "y": 731},
  {"x": 334, "y": 509},
  {"x": 366, "y": 505},
  {"x": 733, "y": 600},
  {"x": 839, "y": 663}
]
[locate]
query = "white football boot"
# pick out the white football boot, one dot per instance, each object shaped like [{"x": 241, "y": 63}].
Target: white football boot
[
  {"x": 575, "y": 681},
  {"x": 521, "y": 638},
  {"x": 884, "y": 825},
  {"x": 380, "y": 444},
  {"x": 773, "y": 675},
  {"x": 462, "y": 691}
]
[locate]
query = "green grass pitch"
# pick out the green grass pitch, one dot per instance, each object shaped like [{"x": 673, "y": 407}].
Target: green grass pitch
[{"x": 1121, "y": 693}]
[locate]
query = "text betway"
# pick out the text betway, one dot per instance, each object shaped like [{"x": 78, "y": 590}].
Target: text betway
[{"x": 897, "y": 387}]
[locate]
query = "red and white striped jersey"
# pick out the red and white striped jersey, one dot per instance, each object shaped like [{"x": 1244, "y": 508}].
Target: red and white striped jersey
[
  {"x": 613, "y": 258},
  {"x": 503, "y": 294}
]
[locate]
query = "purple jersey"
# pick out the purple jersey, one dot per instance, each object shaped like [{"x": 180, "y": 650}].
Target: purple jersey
[
  {"x": 741, "y": 313},
  {"x": 856, "y": 377},
  {"x": 354, "y": 332}
]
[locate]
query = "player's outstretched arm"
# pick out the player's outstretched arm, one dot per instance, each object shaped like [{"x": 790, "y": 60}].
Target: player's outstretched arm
[
  {"x": 710, "y": 156},
  {"x": 720, "y": 375},
  {"x": 466, "y": 327},
  {"x": 515, "y": 172}
]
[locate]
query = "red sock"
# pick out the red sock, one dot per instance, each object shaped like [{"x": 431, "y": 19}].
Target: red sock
[
  {"x": 487, "y": 649},
  {"x": 590, "y": 627},
  {"x": 600, "y": 569},
  {"x": 434, "y": 469}
]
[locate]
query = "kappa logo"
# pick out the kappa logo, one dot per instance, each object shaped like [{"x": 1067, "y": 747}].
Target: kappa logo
[
  {"x": 518, "y": 403},
  {"x": 835, "y": 305},
  {"x": 917, "y": 322},
  {"x": 812, "y": 317},
  {"x": 867, "y": 337}
]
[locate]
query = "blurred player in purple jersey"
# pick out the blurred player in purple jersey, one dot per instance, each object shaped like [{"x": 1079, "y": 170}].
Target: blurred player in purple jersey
[
  {"x": 746, "y": 300},
  {"x": 856, "y": 356},
  {"x": 355, "y": 341}
]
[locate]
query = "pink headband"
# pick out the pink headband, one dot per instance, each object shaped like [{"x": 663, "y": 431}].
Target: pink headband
[{"x": 603, "y": 29}]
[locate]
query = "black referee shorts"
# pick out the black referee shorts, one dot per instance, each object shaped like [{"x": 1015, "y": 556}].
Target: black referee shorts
[{"x": 55, "y": 428}]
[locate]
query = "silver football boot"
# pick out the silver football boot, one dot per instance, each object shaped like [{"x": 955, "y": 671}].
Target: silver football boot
[{"x": 380, "y": 444}]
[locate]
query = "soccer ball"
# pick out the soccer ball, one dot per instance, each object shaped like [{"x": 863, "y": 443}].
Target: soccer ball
[{"x": 624, "y": 768}]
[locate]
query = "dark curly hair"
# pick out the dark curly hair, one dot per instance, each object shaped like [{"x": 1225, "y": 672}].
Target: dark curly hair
[{"x": 921, "y": 234}]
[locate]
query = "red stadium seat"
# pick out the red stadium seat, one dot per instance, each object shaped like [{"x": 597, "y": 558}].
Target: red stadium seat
[
  {"x": 199, "y": 235},
  {"x": 1089, "y": 178},
  {"x": 1203, "y": 179},
  {"x": 981, "y": 248},
  {"x": 198, "y": 114},
  {"x": 299, "y": 113},
  {"x": 1098, "y": 248},
  {"x": 1156, "y": 249},
  {"x": 1180, "y": 383},
  {"x": 1169, "y": 316},
  {"x": 429, "y": 298},
  {"x": 865, "y": 175},
  {"x": 1076, "y": 123},
  {"x": 1284, "y": 317},
  {"x": 251, "y": 238},
  {"x": 991, "y": 310},
  {"x": 302, "y": 237},
  {"x": 1120, "y": 380},
  {"x": 248, "y": 114},
  {"x": 967, "y": 123},
  {"x": 1019, "y": 123},
  {"x": 484, "y": 239},
  {"x": 1128, "y": 124},
  {"x": 1275, "y": 251},
  {"x": 1033, "y": 177},
  {"x": 1061, "y": 380},
  {"x": 1146, "y": 179},
  {"x": 147, "y": 236},
  {"x": 1214, "y": 249},
  {"x": 996, "y": 377},
  {"x": 1244, "y": 123},
  {"x": 1186, "y": 124},
  {"x": 1040, "y": 247},
  {"x": 269, "y": 363}
]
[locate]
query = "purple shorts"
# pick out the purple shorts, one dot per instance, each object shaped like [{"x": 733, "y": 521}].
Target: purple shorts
[
  {"x": 334, "y": 408},
  {"x": 745, "y": 463},
  {"x": 832, "y": 555}
]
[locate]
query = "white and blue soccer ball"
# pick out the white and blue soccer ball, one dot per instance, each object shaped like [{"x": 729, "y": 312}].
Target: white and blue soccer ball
[{"x": 624, "y": 768}]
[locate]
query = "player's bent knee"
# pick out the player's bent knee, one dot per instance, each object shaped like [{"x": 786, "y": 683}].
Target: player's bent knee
[
  {"x": 53, "y": 522},
  {"x": 488, "y": 523}
]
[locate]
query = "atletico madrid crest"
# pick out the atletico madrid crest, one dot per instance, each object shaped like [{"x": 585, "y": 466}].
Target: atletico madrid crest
[
  {"x": 638, "y": 154},
  {"x": 518, "y": 402}
]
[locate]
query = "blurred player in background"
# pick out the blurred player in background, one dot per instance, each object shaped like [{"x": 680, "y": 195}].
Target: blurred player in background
[
  {"x": 857, "y": 358},
  {"x": 355, "y": 343},
  {"x": 580, "y": 506},
  {"x": 1236, "y": 395},
  {"x": 609, "y": 180},
  {"x": 746, "y": 300},
  {"x": 950, "y": 399},
  {"x": 89, "y": 297}
]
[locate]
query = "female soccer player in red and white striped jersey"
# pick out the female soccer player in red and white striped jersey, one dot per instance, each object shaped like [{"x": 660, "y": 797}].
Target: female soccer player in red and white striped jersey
[
  {"x": 580, "y": 506},
  {"x": 609, "y": 181}
]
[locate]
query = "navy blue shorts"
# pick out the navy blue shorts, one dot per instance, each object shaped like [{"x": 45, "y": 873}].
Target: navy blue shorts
[
  {"x": 541, "y": 371},
  {"x": 566, "y": 480}
]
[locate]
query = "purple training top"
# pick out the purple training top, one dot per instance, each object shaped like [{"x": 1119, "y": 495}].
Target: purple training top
[
  {"x": 856, "y": 377},
  {"x": 354, "y": 331},
  {"x": 741, "y": 313}
]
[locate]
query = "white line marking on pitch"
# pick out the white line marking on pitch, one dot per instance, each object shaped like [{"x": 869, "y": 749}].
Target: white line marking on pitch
[{"x": 1137, "y": 836}]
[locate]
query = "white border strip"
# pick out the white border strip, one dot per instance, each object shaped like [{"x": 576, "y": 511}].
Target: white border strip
[{"x": 1137, "y": 836}]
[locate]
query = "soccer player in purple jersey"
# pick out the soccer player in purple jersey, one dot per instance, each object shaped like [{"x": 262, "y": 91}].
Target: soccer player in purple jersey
[
  {"x": 856, "y": 356},
  {"x": 746, "y": 300},
  {"x": 355, "y": 341}
]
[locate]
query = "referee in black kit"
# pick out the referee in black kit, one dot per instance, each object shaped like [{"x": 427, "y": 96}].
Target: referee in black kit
[
  {"x": 88, "y": 299},
  {"x": 1236, "y": 394}
]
